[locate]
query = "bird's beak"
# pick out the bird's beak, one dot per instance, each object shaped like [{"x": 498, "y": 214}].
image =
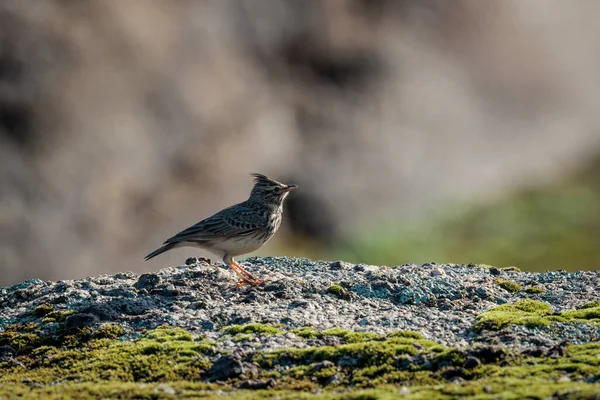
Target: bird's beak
[{"x": 290, "y": 187}]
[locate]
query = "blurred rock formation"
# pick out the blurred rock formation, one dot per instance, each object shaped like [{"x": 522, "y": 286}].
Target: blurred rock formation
[{"x": 122, "y": 122}]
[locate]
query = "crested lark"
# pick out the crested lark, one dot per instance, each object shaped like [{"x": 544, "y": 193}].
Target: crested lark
[{"x": 239, "y": 229}]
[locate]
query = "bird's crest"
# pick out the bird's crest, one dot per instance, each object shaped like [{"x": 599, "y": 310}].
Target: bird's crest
[{"x": 263, "y": 180}]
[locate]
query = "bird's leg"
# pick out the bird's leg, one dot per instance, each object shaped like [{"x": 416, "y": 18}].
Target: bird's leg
[
  {"x": 242, "y": 283},
  {"x": 256, "y": 280},
  {"x": 244, "y": 280}
]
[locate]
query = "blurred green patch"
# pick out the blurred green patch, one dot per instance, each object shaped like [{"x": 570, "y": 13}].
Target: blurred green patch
[{"x": 544, "y": 228}]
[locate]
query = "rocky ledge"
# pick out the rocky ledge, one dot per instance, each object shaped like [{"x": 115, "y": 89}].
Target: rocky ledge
[{"x": 314, "y": 329}]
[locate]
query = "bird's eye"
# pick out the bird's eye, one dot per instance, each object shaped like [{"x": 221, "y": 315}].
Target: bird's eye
[{"x": 277, "y": 190}]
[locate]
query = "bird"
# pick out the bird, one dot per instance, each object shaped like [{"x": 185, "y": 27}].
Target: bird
[{"x": 239, "y": 229}]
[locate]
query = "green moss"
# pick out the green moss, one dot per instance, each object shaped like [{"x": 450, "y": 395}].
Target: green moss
[
  {"x": 58, "y": 316},
  {"x": 376, "y": 363},
  {"x": 109, "y": 390},
  {"x": 18, "y": 341},
  {"x": 350, "y": 336},
  {"x": 453, "y": 356},
  {"x": 555, "y": 318},
  {"x": 28, "y": 327},
  {"x": 535, "y": 290},
  {"x": 161, "y": 354},
  {"x": 513, "y": 389},
  {"x": 324, "y": 376},
  {"x": 170, "y": 363},
  {"x": 43, "y": 309},
  {"x": 587, "y": 312},
  {"x": 26, "y": 337},
  {"x": 167, "y": 334},
  {"x": 307, "y": 332},
  {"x": 337, "y": 291},
  {"x": 591, "y": 304},
  {"x": 509, "y": 286},
  {"x": 241, "y": 337},
  {"x": 109, "y": 331},
  {"x": 363, "y": 353},
  {"x": 415, "y": 338},
  {"x": 534, "y": 313},
  {"x": 530, "y": 313},
  {"x": 251, "y": 328},
  {"x": 405, "y": 334}
]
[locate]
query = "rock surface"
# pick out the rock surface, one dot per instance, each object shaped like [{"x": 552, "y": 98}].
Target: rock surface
[
  {"x": 333, "y": 329},
  {"x": 441, "y": 302}
]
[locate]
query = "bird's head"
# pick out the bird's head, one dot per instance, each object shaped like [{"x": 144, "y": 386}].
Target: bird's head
[{"x": 267, "y": 190}]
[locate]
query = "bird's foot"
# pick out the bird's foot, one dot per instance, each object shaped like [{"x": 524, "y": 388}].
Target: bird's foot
[
  {"x": 246, "y": 277},
  {"x": 254, "y": 282}
]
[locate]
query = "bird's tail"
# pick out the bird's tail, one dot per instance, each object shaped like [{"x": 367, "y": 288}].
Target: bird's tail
[{"x": 161, "y": 250}]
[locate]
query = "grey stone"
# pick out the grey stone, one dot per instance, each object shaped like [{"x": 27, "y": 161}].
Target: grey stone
[
  {"x": 257, "y": 385},
  {"x": 226, "y": 367},
  {"x": 7, "y": 353},
  {"x": 191, "y": 261},
  {"x": 147, "y": 281},
  {"x": 339, "y": 265},
  {"x": 323, "y": 364},
  {"x": 80, "y": 320},
  {"x": 103, "y": 311},
  {"x": 471, "y": 362}
]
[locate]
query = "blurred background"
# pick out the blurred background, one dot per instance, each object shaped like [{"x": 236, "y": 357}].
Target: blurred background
[{"x": 459, "y": 131}]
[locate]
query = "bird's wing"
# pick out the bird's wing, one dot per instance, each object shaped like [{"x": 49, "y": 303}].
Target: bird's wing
[{"x": 233, "y": 221}]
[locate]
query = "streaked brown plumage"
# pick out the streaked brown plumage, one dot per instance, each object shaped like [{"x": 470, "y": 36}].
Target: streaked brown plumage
[{"x": 239, "y": 229}]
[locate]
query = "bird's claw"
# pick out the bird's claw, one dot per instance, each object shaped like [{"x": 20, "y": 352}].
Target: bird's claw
[{"x": 253, "y": 282}]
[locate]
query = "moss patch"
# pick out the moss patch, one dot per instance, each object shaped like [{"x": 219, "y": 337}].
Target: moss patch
[
  {"x": 169, "y": 363},
  {"x": 43, "y": 309},
  {"x": 530, "y": 313},
  {"x": 350, "y": 336},
  {"x": 307, "y": 332},
  {"x": 161, "y": 354},
  {"x": 23, "y": 338},
  {"x": 535, "y": 290},
  {"x": 358, "y": 354},
  {"x": 252, "y": 328},
  {"x": 18, "y": 341},
  {"x": 338, "y": 291},
  {"x": 405, "y": 334},
  {"x": 533, "y": 313},
  {"x": 109, "y": 331},
  {"x": 381, "y": 363},
  {"x": 591, "y": 304},
  {"x": 589, "y": 311},
  {"x": 58, "y": 316},
  {"x": 509, "y": 286}
]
